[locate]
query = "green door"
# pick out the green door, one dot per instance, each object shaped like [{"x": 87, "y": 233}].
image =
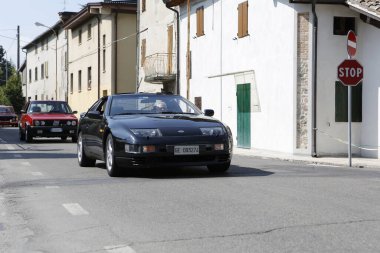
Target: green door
[{"x": 244, "y": 115}]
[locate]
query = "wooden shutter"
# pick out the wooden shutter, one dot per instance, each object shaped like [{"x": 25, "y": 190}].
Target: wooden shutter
[
  {"x": 200, "y": 21},
  {"x": 143, "y": 5},
  {"x": 143, "y": 51},
  {"x": 170, "y": 49},
  {"x": 242, "y": 19}
]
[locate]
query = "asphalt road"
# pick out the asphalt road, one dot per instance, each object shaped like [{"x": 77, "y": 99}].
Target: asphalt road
[{"x": 50, "y": 204}]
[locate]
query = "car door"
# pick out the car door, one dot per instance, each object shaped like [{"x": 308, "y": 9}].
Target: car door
[
  {"x": 23, "y": 116},
  {"x": 95, "y": 130}
]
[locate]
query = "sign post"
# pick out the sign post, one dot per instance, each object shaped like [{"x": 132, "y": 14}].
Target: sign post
[{"x": 350, "y": 73}]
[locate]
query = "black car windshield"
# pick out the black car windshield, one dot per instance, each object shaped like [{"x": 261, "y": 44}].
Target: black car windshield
[
  {"x": 49, "y": 107},
  {"x": 152, "y": 104}
]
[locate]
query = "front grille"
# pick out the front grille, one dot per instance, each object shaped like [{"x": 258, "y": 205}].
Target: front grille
[
  {"x": 6, "y": 118},
  {"x": 55, "y": 123}
]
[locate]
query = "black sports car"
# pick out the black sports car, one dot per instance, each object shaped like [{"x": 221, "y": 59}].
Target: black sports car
[{"x": 149, "y": 130}]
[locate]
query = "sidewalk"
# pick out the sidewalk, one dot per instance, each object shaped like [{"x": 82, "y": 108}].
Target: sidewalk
[{"x": 326, "y": 160}]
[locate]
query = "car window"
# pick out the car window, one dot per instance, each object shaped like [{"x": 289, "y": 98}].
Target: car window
[
  {"x": 49, "y": 107},
  {"x": 5, "y": 110}
]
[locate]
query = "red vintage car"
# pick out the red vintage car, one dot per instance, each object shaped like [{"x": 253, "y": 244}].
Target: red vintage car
[
  {"x": 8, "y": 116},
  {"x": 47, "y": 119}
]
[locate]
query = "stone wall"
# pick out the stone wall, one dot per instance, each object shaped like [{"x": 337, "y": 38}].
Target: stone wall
[{"x": 302, "y": 79}]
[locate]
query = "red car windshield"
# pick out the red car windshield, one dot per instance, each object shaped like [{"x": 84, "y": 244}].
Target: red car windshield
[
  {"x": 49, "y": 107},
  {"x": 6, "y": 109}
]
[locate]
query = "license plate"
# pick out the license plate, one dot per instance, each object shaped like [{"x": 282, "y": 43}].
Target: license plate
[
  {"x": 56, "y": 130},
  {"x": 186, "y": 150}
]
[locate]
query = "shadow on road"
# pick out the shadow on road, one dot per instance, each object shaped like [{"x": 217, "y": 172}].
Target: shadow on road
[
  {"x": 38, "y": 155},
  {"x": 187, "y": 172}
]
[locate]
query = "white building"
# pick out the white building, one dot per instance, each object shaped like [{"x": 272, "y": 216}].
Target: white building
[
  {"x": 46, "y": 63},
  {"x": 157, "y": 66},
  {"x": 252, "y": 62}
]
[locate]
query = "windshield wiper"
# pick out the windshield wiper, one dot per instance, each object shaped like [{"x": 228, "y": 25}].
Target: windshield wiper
[
  {"x": 168, "y": 112},
  {"x": 124, "y": 113}
]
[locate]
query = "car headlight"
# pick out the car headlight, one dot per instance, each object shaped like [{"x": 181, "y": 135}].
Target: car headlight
[
  {"x": 212, "y": 131},
  {"x": 42, "y": 123},
  {"x": 68, "y": 123},
  {"x": 73, "y": 123},
  {"x": 36, "y": 122},
  {"x": 145, "y": 132}
]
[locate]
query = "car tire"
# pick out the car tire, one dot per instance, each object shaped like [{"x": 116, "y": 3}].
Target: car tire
[
  {"x": 28, "y": 135},
  {"x": 21, "y": 134},
  {"x": 218, "y": 168},
  {"x": 63, "y": 138},
  {"x": 83, "y": 159},
  {"x": 74, "y": 139},
  {"x": 112, "y": 168}
]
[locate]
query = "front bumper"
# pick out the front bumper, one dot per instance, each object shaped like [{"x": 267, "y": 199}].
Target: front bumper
[
  {"x": 49, "y": 131},
  {"x": 164, "y": 155},
  {"x": 8, "y": 123}
]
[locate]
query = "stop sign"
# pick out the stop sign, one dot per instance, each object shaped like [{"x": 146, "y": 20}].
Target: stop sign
[{"x": 350, "y": 72}]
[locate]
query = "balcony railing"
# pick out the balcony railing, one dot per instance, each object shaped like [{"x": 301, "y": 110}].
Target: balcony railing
[{"x": 160, "y": 68}]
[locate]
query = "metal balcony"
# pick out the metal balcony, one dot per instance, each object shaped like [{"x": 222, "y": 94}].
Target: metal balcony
[{"x": 160, "y": 68}]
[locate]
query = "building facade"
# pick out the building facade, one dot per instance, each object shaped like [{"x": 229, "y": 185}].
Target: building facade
[
  {"x": 157, "y": 61},
  {"x": 253, "y": 63},
  {"x": 102, "y": 52}
]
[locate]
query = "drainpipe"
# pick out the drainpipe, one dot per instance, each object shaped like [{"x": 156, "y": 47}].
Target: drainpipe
[
  {"x": 98, "y": 18},
  {"x": 314, "y": 81},
  {"x": 177, "y": 41},
  {"x": 115, "y": 39},
  {"x": 138, "y": 46}
]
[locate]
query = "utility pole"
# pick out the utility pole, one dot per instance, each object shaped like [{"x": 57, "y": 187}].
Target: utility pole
[
  {"x": 188, "y": 52},
  {"x": 18, "y": 47}
]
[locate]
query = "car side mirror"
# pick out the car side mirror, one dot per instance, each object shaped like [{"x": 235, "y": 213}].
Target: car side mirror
[
  {"x": 94, "y": 115},
  {"x": 209, "y": 112},
  {"x": 82, "y": 114},
  {"x": 75, "y": 112}
]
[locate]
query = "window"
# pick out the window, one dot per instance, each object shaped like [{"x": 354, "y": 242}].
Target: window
[
  {"x": 104, "y": 53},
  {"x": 80, "y": 80},
  {"x": 341, "y": 103},
  {"x": 42, "y": 46},
  {"x": 42, "y": 71},
  {"x": 143, "y": 5},
  {"x": 89, "y": 78},
  {"x": 343, "y": 24},
  {"x": 65, "y": 60},
  {"x": 35, "y": 74},
  {"x": 143, "y": 51},
  {"x": 242, "y": 19},
  {"x": 200, "y": 22},
  {"x": 30, "y": 75},
  {"x": 71, "y": 83},
  {"x": 80, "y": 36},
  {"x": 47, "y": 44},
  {"x": 36, "y": 49},
  {"x": 46, "y": 69},
  {"x": 198, "y": 102},
  {"x": 89, "y": 32},
  {"x": 35, "y": 97}
]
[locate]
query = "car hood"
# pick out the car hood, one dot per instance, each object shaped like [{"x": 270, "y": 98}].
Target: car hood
[
  {"x": 52, "y": 116},
  {"x": 7, "y": 114},
  {"x": 169, "y": 125}
]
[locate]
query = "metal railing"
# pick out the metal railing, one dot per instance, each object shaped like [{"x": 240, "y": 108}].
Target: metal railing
[{"x": 160, "y": 67}]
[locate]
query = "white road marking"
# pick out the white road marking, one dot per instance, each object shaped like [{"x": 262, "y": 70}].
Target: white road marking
[
  {"x": 10, "y": 147},
  {"x": 36, "y": 173},
  {"x": 75, "y": 209},
  {"x": 17, "y": 155},
  {"x": 26, "y": 164},
  {"x": 119, "y": 249},
  {"x": 52, "y": 187}
]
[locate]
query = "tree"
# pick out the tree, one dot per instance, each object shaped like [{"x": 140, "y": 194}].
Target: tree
[
  {"x": 13, "y": 92},
  {"x": 3, "y": 98},
  {"x": 4, "y": 66}
]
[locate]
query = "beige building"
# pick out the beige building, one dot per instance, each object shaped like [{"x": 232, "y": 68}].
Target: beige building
[
  {"x": 102, "y": 52},
  {"x": 157, "y": 63}
]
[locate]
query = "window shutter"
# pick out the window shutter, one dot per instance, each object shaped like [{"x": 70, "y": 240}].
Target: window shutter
[
  {"x": 143, "y": 52},
  {"x": 245, "y": 18},
  {"x": 46, "y": 70},
  {"x": 240, "y": 21},
  {"x": 202, "y": 21}
]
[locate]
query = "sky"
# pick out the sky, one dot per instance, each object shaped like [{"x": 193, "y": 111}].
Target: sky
[{"x": 25, "y": 13}]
